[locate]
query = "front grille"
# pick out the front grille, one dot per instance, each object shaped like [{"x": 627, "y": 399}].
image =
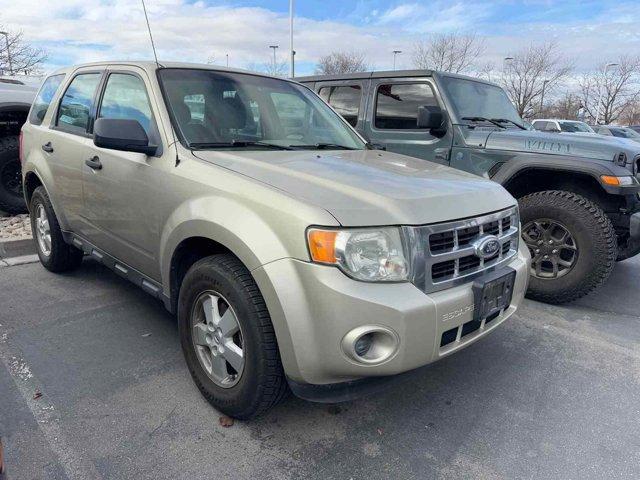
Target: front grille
[{"x": 449, "y": 256}]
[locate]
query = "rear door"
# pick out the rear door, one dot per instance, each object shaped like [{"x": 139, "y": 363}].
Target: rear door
[
  {"x": 66, "y": 141},
  {"x": 391, "y": 118},
  {"x": 348, "y": 98}
]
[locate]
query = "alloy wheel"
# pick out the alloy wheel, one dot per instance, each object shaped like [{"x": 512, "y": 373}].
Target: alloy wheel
[
  {"x": 217, "y": 337},
  {"x": 554, "y": 252},
  {"x": 43, "y": 230}
]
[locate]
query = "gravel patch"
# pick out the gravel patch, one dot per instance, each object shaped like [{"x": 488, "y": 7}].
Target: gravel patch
[{"x": 16, "y": 227}]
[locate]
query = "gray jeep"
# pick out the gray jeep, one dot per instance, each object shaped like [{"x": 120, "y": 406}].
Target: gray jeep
[
  {"x": 578, "y": 195},
  {"x": 16, "y": 96}
]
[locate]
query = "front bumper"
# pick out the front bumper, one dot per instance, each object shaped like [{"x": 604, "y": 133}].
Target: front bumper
[{"x": 313, "y": 307}]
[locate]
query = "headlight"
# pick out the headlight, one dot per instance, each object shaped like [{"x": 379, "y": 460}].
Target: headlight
[
  {"x": 618, "y": 181},
  {"x": 371, "y": 255}
]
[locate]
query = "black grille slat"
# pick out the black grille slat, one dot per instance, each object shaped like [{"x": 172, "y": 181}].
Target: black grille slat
[
  {"x": 506, "y": 224},
  {"x": 491, "y": 228},
  {"x": 441, "y": 242},
  {"x": 467, "y": 235},
  {"x": 468, "y": 263},
  {"x": 443, "y": 270}
]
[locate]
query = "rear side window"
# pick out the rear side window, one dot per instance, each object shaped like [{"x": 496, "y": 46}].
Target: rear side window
[
  {"x": 125, "y": 97},
  {"x": 345, "y": 100},
  {"x": 43, "y": 99},
  {"x": 397, "y": 105},
  {"x": 75, "y": 106}
]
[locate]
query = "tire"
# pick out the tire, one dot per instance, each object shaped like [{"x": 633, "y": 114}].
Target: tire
[
  {"x": 585, "y": 259},
  {"x": 11, "y": 197},
  {"x": 260, "y": 383},
  {"x": 59, "y": 256}
]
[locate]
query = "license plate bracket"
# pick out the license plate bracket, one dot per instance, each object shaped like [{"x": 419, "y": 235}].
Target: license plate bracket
[{"x": 493, "y": 292}]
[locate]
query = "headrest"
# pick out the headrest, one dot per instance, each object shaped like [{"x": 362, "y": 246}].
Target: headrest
[
  {"x": 182, "y": 112},
  {"x": 233, "y": 114}
]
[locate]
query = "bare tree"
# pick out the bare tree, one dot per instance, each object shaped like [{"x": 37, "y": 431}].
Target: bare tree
[
  {"x": 450, "y": 52},
  {"x": 566, "y": 106},
  {"x": 279, "y": 69},
  {"x": 533, "y": 73},
  {"x": 611, "y": 89},
  {"x": 342, "y": 62},
  {"x": 17, "y": 56},
  {"x": 631, "y": 114}
]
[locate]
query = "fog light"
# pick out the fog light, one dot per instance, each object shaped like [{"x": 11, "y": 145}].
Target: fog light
[
  {"x": 370, "y": 344},
  {"x": 363, "y": 344}
]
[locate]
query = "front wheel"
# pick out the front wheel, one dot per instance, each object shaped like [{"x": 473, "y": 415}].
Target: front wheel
[
  {"x": 227, "y": 338},
  {"x": 572, "y": 243}
]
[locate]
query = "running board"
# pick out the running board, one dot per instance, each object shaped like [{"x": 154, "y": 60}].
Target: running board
[{"x": 122, "y": 269}]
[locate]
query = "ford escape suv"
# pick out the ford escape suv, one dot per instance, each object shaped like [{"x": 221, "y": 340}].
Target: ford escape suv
[{"x": 294, "y": 256}]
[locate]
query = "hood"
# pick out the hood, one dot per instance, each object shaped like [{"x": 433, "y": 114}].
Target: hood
[
  {"x": 591, "y": 146},
  {"x": 369, "y": 187}
]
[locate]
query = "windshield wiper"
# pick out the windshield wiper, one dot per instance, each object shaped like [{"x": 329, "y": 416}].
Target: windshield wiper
[
  {"x": 237, "y": 144},
  {"x": 322, "y": 146},
  {"x": 484, "y": 119},
  {"x": 506, "y": 120}
]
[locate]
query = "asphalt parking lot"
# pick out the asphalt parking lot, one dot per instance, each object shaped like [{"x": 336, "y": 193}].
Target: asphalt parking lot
[{"x": 555, "y": 393}]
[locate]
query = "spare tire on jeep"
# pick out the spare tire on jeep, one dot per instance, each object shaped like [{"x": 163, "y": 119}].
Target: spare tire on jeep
[
  {"x": 572, "y": 243},
  {"x": 11, "y": 197}
]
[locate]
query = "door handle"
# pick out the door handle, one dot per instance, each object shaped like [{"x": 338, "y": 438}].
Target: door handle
[
  {"x": 47, "y": 147},
  {"x": 93, "y": 162}
]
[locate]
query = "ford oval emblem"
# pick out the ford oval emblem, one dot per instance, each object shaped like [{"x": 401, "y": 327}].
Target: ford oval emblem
[{"x": 487, "y": 246}]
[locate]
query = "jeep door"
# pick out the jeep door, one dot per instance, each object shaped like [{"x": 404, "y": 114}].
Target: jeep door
[
  {"x": 66, "y": 141},
  {"x": 122, "y": 190},
  {"x": 392, "y": 113}
]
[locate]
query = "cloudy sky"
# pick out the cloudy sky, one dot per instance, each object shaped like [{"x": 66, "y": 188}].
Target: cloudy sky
[{"x": 75, "y": 31}]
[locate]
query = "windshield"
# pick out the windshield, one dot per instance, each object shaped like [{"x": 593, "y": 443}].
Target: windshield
[
  {"x": 625, "y": 133},
  {"x": 573, "y": 127},
  {"x": 222, "y": 110},
  {"x": 476, "y": 99}
]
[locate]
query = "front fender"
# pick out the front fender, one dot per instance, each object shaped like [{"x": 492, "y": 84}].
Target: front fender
[
  {"x": 256, "y": 236},
  {"x": 521, "y": 162}
]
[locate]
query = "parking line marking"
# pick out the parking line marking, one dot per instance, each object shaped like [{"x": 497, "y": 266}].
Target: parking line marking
[{"x": 75, "y": 466}]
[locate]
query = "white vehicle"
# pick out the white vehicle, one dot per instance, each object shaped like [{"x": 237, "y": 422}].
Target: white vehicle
[{"x": 562, "y": 126}]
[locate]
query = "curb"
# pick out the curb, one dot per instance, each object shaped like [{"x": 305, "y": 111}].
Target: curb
[{"x": 17, "y": 248}]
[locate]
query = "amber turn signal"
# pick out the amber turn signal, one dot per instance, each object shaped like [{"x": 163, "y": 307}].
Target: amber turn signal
[{"x": 322, "y": 245}]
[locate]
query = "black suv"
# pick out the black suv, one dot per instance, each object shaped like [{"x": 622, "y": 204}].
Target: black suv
[{"x": 578, "y": 195}]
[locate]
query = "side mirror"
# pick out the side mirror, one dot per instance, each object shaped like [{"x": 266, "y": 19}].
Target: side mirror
[
  {"x": 430, "y": 118},
  {"x": 122, "y": 134}
]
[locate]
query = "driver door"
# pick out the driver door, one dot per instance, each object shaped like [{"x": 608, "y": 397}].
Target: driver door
[
  {"x": 121, "y": 188},
  {"x": 392, "y": 119}
]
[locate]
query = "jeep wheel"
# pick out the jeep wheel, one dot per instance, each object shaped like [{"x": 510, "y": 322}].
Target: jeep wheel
[
  {"x": 572, "y": 243},
  {"x": 11, "y": 198},
  {"x": 55, "y": 254},
  {"x": 227, "y": 338}
]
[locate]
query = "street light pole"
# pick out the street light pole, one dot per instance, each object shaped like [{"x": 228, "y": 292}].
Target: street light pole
[
  {"x": 292, "y": 53},
  {"x": 274, "y": 47},
  {"x": 395, "y": 52},
  {"x": 544, "y": 84},
  {"x": 606, "y": 67},
  {"x": 506, "y": 62},
  {"x": 227, "y": 60},
  {"x": 6, "y": 38}
]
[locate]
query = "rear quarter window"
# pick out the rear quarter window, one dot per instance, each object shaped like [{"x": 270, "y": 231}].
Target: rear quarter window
[{"x": 44, "y": 98}]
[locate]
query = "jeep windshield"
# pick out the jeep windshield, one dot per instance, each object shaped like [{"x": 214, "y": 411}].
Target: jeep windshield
[
  {"x": 227, "y": 110},
  {"x": 477, "y": 102}
]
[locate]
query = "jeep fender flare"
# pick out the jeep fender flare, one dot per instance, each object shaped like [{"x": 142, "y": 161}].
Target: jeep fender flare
[{"x": 520, "y": 164}]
